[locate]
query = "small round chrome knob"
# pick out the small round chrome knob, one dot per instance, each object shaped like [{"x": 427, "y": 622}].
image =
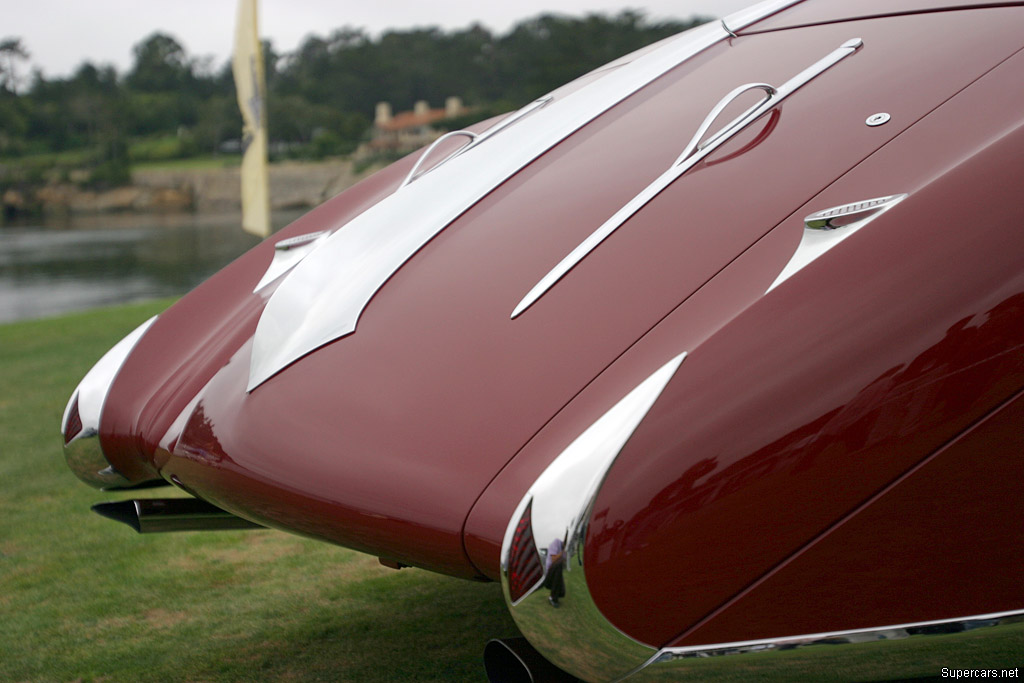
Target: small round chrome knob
[{"x": 878, "y": 119}]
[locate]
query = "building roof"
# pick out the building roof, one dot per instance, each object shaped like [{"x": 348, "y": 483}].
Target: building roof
[{"x": 409, "y": 119}]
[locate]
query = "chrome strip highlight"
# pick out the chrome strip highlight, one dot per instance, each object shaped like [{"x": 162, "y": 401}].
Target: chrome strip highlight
[
  {"x": 691, "y": 156},
  {"x": 562, "y": 499},
  {"x": 826, "y": 229},
  {"x": 323, "y": 297},
  {"x": 796, "y": 653},
  {"x": 82, "y": 452}
]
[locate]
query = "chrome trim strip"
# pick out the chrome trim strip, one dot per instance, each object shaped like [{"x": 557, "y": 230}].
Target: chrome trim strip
[
  {"x": 82, "y": 452},
  {"x": 323, "y": 297},
  {"x": 821, "y": 234},
  {"x": 562, "y": 499},
  {"x": 705, "y": 661},
  {"x": 691, "y": 156}
]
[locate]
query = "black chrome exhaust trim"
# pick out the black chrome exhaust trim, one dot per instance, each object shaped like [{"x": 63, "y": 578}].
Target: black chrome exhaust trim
[{"x": 159, "y": 515}]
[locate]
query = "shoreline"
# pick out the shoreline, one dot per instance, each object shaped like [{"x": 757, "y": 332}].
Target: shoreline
[{"x": 293, "y": 186}]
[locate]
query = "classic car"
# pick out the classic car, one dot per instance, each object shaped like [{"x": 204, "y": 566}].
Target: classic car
[{"x": 712, "y": 357}]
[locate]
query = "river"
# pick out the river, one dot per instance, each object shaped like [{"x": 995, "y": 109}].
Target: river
[{"x": 54, "y": 267}]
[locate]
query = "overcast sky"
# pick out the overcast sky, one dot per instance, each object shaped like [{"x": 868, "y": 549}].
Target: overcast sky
[{"x": 61, "y": 34}]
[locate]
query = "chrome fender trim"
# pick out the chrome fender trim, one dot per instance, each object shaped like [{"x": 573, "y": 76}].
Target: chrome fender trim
[
  {"x": 322, "y": 298},
  {"x": 81, "y": 422},
  {"x": 903, "y": 646},
  {"x": 557, "y": 509}
]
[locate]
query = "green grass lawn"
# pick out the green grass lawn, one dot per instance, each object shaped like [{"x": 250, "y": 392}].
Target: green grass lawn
[{"x": 85, "y": 598}]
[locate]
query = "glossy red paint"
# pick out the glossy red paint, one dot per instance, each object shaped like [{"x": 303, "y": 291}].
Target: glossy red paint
[
  {"x": 820, "y": 394},
  {"x": 937, "y": 538},
  {"x": 831, "y": 11}
]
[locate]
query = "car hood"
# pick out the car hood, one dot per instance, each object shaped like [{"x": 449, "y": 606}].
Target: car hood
[{"x": 382, "y": 425}]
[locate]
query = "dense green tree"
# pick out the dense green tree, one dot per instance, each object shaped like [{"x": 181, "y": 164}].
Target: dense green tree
[
  {"x": 321, "y": 96},
  {"x": 161, "y": 65},
  {"x": 12, "y": 54},
  {"x": 218, "y": 120}
]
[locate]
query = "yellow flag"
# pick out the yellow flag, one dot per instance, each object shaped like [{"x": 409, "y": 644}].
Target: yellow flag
[{"x": 250, "y": 85}]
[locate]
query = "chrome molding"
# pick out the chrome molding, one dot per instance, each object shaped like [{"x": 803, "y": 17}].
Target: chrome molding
[
  {"x": 826, "y": 229},
  {"x": 901, "y": 643},
  {"x": 560, "y": 504},
  {"x": 692, "y": 154},
  {"x": 81, "y": 422},
  {"x": 322, "y": 298},
  {"x": 288, "y": 253}
]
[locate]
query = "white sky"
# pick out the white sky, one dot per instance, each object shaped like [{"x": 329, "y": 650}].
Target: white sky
[{"x": 61, "y": 34}]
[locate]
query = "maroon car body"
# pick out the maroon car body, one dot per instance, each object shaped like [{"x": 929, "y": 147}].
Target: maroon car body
[{"x": 833, "y": 444}]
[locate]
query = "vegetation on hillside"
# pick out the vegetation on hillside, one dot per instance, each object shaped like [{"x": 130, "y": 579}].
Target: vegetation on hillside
[{"x": 171, "y": 104}]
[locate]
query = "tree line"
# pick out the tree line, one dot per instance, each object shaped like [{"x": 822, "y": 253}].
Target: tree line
[{"x": 321, "y": 97}]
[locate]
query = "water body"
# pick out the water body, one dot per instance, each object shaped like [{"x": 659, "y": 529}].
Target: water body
[{"x": 54, "y": 267}]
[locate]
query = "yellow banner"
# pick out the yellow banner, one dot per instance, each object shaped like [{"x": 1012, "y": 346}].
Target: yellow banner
[{"x": 247, "y": 66}]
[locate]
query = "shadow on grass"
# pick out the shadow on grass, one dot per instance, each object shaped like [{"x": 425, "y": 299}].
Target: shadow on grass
[{"x": 418, "y": 627}]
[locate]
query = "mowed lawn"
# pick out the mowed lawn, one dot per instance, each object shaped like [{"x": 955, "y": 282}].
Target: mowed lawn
[{"x": 85, "y": 598}]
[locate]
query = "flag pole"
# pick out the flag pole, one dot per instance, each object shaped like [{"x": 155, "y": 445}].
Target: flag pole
[{"x": 250, "y": 86}]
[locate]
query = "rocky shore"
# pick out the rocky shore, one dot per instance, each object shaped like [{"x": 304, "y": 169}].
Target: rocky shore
[{"x": 293, "y": 185}]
